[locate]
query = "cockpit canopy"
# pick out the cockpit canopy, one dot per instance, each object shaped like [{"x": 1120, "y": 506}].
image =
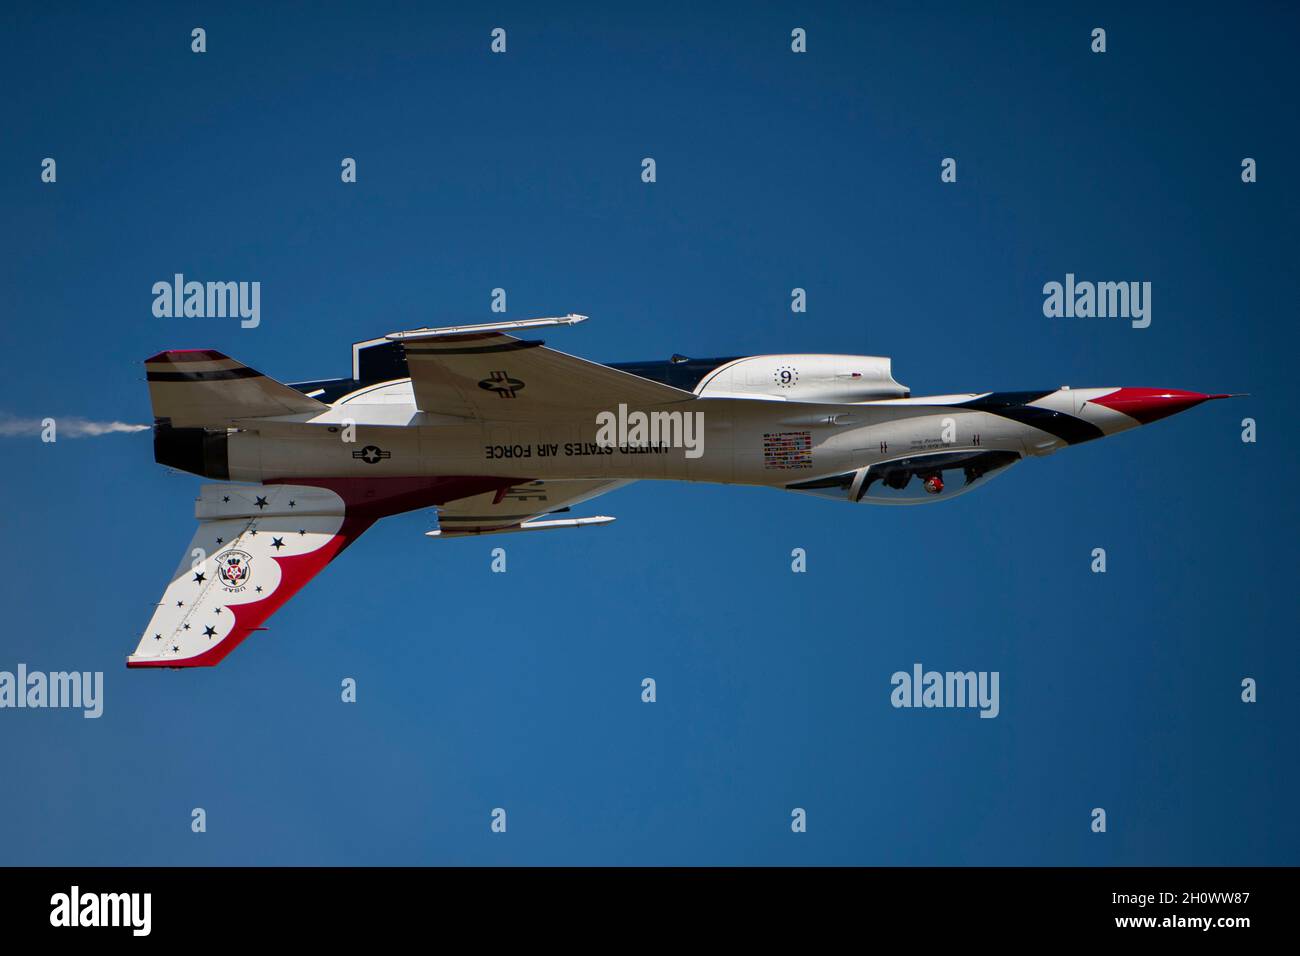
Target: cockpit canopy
[{"x": 916, "y": 479}]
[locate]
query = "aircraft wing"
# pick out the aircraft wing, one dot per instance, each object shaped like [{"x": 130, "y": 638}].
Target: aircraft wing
[
  {"x": 481, "y": 372},
  {"x": 516, "y": 507},
  {"x": 255, "y": 546}
]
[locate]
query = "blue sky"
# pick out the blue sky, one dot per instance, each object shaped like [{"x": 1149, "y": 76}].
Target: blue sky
[{"x": 775, "y": 170}]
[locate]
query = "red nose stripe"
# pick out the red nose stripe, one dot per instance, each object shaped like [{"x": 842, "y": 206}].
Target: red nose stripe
[{"x": 1149, "y": 404}]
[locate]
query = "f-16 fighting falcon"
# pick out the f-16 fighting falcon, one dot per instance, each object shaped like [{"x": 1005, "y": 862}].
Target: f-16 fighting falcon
[{"x": 499, "y": 433}]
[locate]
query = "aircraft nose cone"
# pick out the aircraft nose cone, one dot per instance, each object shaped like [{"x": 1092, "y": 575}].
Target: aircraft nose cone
[{"x": 1147, "y": 405}]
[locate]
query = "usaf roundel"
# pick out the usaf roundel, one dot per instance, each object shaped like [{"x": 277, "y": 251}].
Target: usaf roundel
[{"x": 234, "y": 568}]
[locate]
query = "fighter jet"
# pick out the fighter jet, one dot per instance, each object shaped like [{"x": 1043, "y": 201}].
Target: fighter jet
[{"x": 500, "y": 433}]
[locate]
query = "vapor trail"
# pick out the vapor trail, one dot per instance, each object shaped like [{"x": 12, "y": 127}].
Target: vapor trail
[{"x": 68, "y": 427}]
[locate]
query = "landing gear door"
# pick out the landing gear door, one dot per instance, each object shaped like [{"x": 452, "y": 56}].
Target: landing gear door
[{"x": 919, "y": 479}]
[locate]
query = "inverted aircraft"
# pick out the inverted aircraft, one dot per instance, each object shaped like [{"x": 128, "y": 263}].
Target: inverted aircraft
[{"x": 504, "y": 435}]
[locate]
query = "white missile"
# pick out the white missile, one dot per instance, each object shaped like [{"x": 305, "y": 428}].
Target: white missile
[{"x": 530, "y": 526}]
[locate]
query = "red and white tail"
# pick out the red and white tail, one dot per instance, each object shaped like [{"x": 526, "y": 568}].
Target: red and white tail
[
  {"x": 254, "y": 548},
  {"x": 257, "y": 545}
]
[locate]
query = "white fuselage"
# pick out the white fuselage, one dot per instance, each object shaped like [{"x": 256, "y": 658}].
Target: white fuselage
[{"x": 740, "y": 440}]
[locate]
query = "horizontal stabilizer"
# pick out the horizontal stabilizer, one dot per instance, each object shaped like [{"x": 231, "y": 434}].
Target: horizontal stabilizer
[{"x": 202, "y": 388}]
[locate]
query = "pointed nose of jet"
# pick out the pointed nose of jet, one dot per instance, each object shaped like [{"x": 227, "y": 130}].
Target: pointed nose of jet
[{"x": 1146, "y": 405}]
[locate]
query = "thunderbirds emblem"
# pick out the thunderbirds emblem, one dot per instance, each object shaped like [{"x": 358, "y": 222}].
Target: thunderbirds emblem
[{"x": 233, "y": 569}]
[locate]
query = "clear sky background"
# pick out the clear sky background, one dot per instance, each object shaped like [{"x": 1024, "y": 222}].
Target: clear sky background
[{"x": 775, "y": 170}]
